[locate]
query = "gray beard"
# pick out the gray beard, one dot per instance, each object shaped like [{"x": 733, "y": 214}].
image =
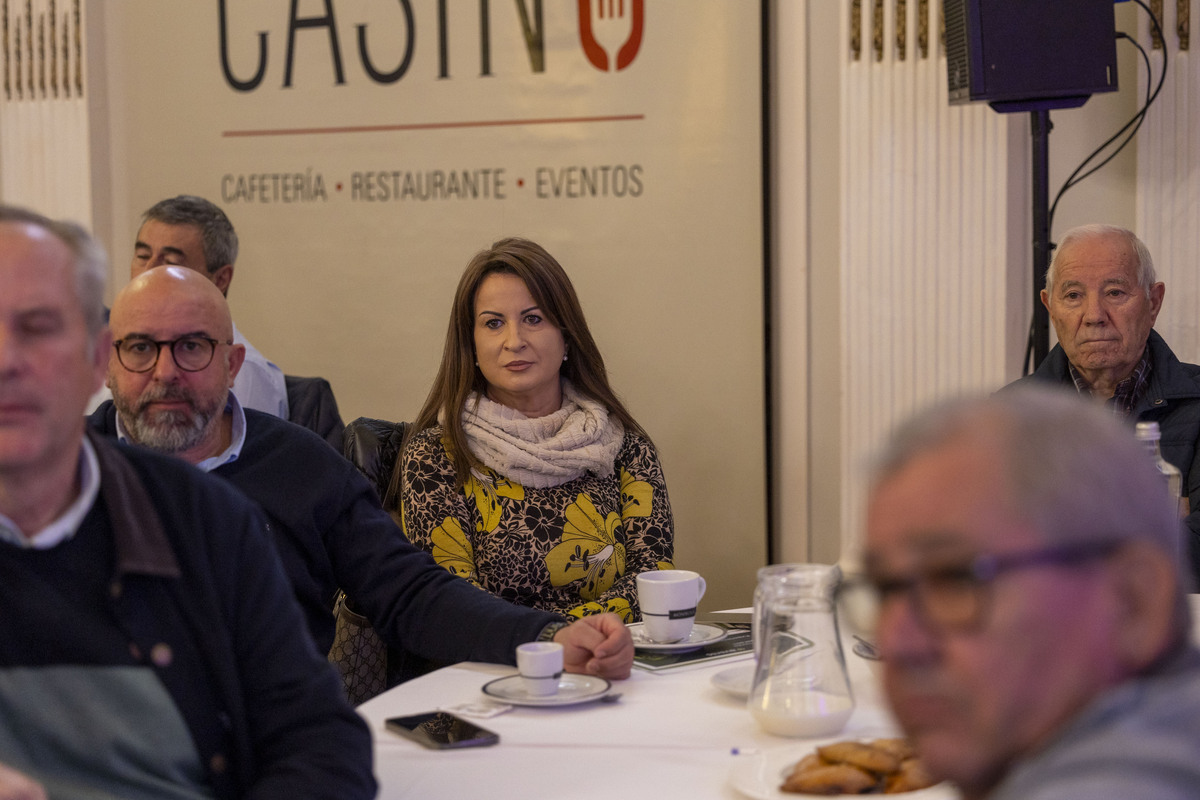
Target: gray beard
[{"x": 165, "y": 431}]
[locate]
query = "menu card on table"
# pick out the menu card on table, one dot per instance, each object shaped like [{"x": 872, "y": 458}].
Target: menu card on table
[{"x": 737, "y": 642}]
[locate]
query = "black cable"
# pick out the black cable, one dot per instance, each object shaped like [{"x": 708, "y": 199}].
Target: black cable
[
  {"x": 1139, "y": 118},
  {"x": 1136, "y": 122}
]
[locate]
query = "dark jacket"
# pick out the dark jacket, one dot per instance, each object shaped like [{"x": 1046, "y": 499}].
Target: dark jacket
[
  {"x": 195, "y": 573},
  {"x": 332, "y": 533},
  {"x": 1173, "y": 401}
]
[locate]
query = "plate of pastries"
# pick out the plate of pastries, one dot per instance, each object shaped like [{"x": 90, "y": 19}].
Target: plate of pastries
[{"x": 842, "y": 767}]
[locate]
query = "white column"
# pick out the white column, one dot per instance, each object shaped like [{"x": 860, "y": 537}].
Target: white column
[
  {"x": 44, "y": 108},
  {"x": 1168, "y": 183}
]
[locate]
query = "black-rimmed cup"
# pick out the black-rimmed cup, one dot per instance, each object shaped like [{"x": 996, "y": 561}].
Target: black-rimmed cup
[
  {"x": 540, "y": 665},
  {"x": 668, "y": 599}
]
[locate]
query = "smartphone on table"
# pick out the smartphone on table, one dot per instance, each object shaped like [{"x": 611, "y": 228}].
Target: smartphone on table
[{"x": 440, "y": 730}]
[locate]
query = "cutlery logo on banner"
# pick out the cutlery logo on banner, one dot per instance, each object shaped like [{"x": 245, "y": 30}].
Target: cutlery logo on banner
[
  {"x": 610, "y": 18},
  {"x": 610, "y": 35}
]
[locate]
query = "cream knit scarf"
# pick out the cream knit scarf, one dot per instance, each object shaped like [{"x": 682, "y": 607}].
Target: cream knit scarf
[{"x": 546, "y": 451}]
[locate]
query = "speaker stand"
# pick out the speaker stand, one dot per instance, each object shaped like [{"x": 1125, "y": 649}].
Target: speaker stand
[
  {"x": 1039, "y": 129},
  {"x": 1039, "y": 333}
]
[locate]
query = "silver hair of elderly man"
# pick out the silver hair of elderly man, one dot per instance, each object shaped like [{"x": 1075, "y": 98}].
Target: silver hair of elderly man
[
  {"x": 90, "y": 262},
  {"x": 1075, "y": 472},
  {"x": 1145, "y": 262}
]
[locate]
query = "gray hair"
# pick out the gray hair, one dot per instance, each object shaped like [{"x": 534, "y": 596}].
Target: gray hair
[
  {"x": 90, "y": 262},
  {"x": 1146, "y": 276},
  {"x": 216, "y": 231},
  {"x": 1075, "y": 473}
]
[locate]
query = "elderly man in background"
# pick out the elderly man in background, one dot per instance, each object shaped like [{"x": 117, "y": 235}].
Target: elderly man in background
[
  {"x": 1033, "y": 619},
  {"x": 1103, "y": 298},
  {"x": 150, "y": 645},
  {"x": 171, "y": 393},
  {"x": 189, "y": 231}
]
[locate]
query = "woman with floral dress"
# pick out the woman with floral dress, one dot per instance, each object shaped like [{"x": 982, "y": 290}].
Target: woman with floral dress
[{"x": 524, "y": 473}]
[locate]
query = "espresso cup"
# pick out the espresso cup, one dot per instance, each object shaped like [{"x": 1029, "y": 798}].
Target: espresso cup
[
  {"x": 668, "y": 599},
  {"x": 540, "y": 665}
]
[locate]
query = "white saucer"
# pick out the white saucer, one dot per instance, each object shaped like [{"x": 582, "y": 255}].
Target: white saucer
[
  {"x": 572, "y": 689},
  {"x": 735, "y": 680},
  {"x": 700, "y": 636}
]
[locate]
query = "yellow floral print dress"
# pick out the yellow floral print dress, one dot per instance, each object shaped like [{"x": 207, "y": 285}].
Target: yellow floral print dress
[{"x": 574, "y": 548}]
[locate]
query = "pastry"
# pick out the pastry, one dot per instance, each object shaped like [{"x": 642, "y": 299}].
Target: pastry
[
  {"x": 861, "y": 755},
  {"x": 830, "y": 779},
  {"x": 882, "y": 766}
]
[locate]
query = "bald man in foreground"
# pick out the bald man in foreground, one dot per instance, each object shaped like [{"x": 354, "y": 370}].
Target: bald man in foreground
[{"x": 170, "y": 373}]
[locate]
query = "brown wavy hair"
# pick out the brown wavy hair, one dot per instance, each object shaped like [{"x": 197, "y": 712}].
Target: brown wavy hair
[{"x": 458, "y": 376}]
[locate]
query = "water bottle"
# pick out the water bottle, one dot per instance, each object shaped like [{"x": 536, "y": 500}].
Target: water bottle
[{"x": 1148, "y": 434}]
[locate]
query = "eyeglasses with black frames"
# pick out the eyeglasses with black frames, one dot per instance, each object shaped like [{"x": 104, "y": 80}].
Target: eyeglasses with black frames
[
  {"x": 954, "y": 598},
  {"x": 191, "y": 353}
]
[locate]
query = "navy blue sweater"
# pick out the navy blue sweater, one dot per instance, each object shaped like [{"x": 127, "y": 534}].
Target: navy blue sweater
[{"x": 197, "y": 591}]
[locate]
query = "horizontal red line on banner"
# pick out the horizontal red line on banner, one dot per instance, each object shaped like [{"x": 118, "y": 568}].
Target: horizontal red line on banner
[{"x": 427, "y": 126}]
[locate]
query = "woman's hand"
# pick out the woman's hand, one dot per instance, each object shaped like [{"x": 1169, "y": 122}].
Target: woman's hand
[
  {"x": 597, "y": 645},
  {"x": 16, "y": 786}
]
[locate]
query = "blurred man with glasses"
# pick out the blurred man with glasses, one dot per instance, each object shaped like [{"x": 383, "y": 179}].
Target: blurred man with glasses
[
  {"x": 1032, "y": 616},
  {"x": 170, "y": 372}
]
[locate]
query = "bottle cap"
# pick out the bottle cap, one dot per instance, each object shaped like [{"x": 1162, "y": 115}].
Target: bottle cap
[{"x": 1147, "y": 431}]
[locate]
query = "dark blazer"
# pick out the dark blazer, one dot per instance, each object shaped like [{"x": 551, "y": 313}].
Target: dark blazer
[
  {"x": 311, "y": 405},
  {"x": 1173, "y": 401}
]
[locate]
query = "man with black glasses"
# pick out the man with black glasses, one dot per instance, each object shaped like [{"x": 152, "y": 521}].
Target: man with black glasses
[{"x": 1032, "y": 609}]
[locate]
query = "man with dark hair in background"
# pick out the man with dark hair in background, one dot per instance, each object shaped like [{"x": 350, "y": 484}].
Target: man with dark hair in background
[{"x": 189, "y": 231}]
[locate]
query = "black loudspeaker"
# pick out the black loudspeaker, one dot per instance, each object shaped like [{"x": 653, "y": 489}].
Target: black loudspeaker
[{"x": 1027, "y": 55}]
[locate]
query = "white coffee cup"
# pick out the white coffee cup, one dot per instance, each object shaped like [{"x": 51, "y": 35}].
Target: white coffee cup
[
  {"x": 668, "y": 599},
  {"x": 540, "y": 665}
]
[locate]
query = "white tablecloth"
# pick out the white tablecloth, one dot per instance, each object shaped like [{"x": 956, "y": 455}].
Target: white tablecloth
[{"x": 671, "y": 734}]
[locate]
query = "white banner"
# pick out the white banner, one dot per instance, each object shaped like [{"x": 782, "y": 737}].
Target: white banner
[{"x": 366, "y": 149}]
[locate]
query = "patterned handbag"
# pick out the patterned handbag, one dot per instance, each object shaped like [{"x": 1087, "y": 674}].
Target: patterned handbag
[{"x": 358, "y": 653}]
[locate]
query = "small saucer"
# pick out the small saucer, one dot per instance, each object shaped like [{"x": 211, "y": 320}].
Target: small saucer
[
  {"x": 700, "y": 636},
  {"x": 572, "y": 689},
  {"x": 735, "y": 680}
]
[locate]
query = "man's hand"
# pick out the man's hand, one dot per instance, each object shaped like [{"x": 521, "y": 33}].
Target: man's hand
[
  {"x": 597, "y": 645},
  {"x": 16, "y": 786}
]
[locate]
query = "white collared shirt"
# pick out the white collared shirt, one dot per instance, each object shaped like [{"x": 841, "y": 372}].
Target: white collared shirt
[
  {"x": 67, "y": 523},
  {"x": 259, "y": 382},
  {"x": 230, "y": 454}
]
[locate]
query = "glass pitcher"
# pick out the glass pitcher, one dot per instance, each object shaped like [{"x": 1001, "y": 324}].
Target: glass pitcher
[
  {"x": 769, "y": 579},
  {"x": 800, "y": 685}
]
